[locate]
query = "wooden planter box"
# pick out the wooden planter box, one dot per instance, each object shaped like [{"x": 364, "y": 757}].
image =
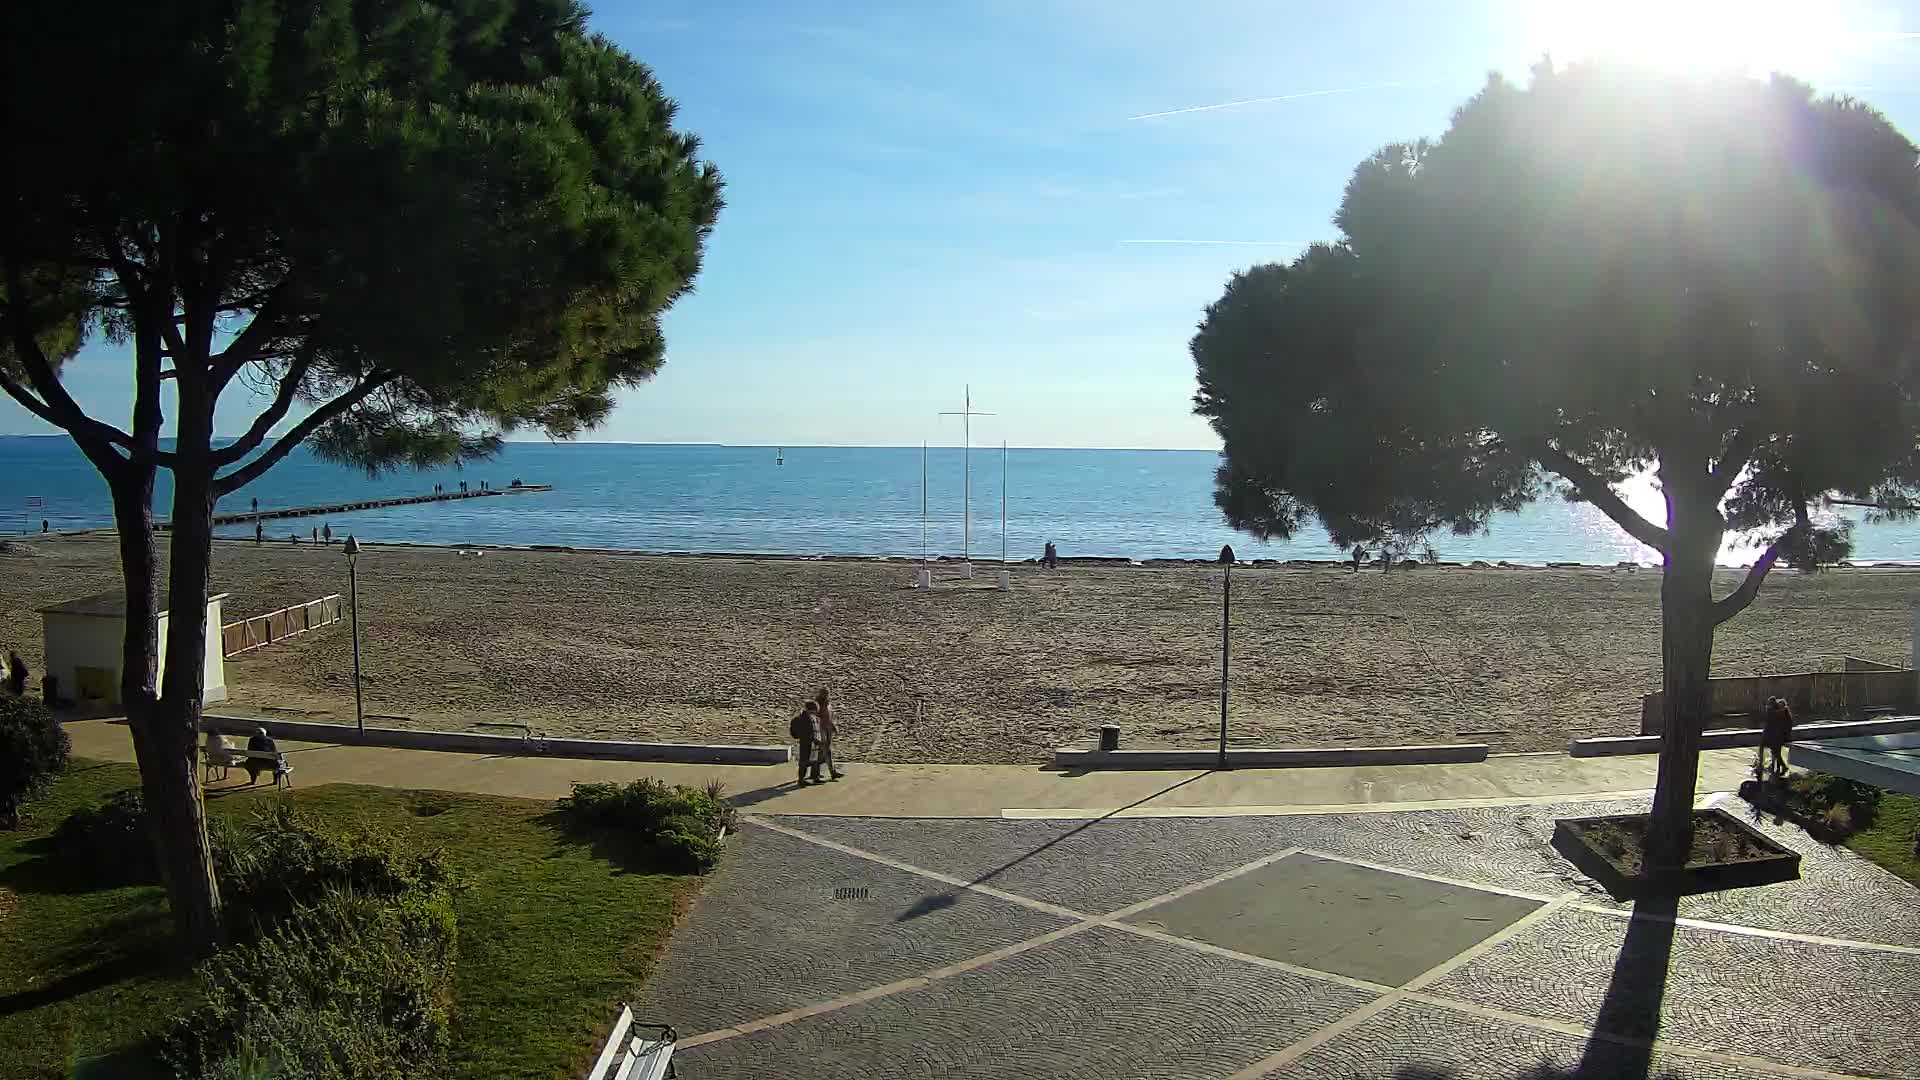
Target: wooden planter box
[{"x": 1773, "y": 863}]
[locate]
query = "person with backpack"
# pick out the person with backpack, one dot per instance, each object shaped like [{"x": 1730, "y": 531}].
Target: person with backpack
[{"x": 805, "y": 729}]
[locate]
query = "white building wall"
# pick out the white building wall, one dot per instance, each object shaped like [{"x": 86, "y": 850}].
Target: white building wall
[{"x": 77, "y": 641}]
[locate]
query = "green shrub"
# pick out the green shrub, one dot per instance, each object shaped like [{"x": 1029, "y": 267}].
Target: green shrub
[
  {"x": 33, "y": 747},
  {"x": 345, "y": 969},
  {"x": 280, "y": 859},
  {"x": 1843, "y": 805},
  {"x": 349, "y": 987},
  {"x": 676, "y": 827},
  {"x": 109, "y": 841}
]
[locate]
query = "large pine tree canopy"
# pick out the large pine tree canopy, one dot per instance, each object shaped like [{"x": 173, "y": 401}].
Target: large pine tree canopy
[
  {"x": 407, "y": 225},
  {"x": 430, "y": 220},
  {"x": 1605, "y": 271}
]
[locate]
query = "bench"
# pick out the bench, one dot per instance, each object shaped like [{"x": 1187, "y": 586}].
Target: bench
[
  {"x": 635, "y": 1051},
  {"x": 219, "y": 760}
]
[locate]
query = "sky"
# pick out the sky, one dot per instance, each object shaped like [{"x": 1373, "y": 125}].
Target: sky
[{"x": 1039, "y": 198}]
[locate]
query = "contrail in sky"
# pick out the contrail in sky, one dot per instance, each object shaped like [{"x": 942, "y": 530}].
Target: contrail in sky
[{"x": 1263, "y": 101}]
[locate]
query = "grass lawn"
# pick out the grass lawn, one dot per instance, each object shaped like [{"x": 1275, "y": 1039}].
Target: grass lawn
[
  {"x": 550, "y": 936},
  {"x": 1890, "y": 841}
]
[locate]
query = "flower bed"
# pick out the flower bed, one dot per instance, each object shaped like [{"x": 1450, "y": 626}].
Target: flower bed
[{"x": 1727, "y": 854}]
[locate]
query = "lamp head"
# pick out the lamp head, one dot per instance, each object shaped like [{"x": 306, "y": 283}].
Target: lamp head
[
  {"x": 352, "y": 547},
  {"x": 1226, "y": 554}
]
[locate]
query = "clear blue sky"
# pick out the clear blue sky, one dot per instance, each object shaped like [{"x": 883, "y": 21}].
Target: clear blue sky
[{"x": 922, "y": 196}]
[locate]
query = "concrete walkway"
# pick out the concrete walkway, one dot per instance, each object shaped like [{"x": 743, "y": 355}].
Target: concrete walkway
[{"x": 1013, "y": 791}]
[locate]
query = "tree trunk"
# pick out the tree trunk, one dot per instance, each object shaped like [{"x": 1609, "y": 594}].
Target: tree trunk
[
  {"x": 173, "y": 729},
  {"x": 1686, "y": 654}
]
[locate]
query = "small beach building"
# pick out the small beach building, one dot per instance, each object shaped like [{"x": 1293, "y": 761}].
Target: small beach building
[{"x": 83, "y": 640}]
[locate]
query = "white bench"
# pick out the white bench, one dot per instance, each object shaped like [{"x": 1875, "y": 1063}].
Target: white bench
[
  {"x": 631, "y": 1054},
  {"x": 218, "y": 760}
]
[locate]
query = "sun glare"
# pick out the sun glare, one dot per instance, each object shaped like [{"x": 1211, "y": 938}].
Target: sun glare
[{"x": 1752, "y": 36}]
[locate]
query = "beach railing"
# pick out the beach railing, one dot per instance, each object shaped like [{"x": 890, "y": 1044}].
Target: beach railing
[{"x": 248, "y": 634}]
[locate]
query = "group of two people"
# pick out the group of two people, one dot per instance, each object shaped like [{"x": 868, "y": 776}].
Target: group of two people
[
  {"x": 814, "y": 728},
  {"x": 220, "y": 751}
]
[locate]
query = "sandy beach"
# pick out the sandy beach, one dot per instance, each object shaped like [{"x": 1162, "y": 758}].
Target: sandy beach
[{"x": 718, "y": 649}]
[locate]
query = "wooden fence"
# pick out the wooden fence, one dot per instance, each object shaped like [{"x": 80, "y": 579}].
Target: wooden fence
[
  {"x": 1823, "y": 695},
  {"x": 239, "y": 637}
]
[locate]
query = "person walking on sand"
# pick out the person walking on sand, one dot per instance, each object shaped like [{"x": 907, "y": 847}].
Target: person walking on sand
[
  {"x": 805, "y": 729},
  {"x": 828, "y": 730}
]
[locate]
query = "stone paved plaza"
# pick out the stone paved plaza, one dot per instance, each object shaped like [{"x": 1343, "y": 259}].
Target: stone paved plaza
[{"x": 1416, "y": 945}]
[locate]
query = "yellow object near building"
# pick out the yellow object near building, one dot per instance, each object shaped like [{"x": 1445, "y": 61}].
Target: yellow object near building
[{"x": 85, "y": 638}]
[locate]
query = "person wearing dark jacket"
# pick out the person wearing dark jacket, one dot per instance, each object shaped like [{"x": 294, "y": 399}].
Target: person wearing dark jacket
[
  {"x": 805, "y": 728},
  {"x": 263, "y": 743},
  {"x": 1776, "y": 731}
]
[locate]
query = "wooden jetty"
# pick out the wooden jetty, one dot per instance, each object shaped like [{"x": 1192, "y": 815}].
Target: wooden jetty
[{"x": 251, "y": 516}]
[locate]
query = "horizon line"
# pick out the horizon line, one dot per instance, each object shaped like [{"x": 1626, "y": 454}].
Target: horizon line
[{"x": 731, "y": 445}]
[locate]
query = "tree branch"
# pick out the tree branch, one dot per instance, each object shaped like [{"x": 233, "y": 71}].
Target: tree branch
[
  {"x": 1735, "y": 458},
  {"x": 57, "y": 407},
  {"x": 1601, "y": 494},
  {"x": 248, "y": 473},
  {"x": 245, "y": 348},
  {"x": 275, "y": 412},
  {"x": 1738, "y": 600},
  {"x": 28, "y": 402}
]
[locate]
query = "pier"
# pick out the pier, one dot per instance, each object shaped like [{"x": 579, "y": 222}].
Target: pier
[{"x": 250, "y": 516}]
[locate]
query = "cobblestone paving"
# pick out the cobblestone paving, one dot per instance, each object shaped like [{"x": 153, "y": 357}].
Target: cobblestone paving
[
  {"x": 1100, "y": 1005},
  {"x": 1837, "y": 1008},
  {"x": 1103, "y": 864},
  {"x": 1878, "y": 906},
  {"x": 1094, "y": 866},
  {"x": 1416, "y": 1041},
  {"x": 768, "y": 935}
]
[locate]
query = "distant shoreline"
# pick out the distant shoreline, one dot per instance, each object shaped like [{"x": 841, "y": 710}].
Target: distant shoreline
[
  {"x": 1067, "y": 560},
  {"x": 988, "y": 560}
]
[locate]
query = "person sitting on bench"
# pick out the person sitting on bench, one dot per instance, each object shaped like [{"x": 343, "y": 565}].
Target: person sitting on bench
[{"x": 261, "y": 742}]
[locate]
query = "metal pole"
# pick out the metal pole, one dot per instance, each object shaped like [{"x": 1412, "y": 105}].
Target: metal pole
[
  {"x": 923, "y": 502},
  {"x": 1226, "y": 616},
  {"x": 353, "y": 587},
  {"x": 1226, "y": 620},
  {"x": 966, "y": 468},
  {"x": 1003, "y": 502}
]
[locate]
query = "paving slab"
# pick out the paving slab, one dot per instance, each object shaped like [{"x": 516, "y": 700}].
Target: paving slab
[
  {"x": 1102, "y": 1004},
  {"x": 1332, "y": 916},
  {"x": 1102, "y": 864},
  {"x": 1823, "y": 1006},
  {"x": 1417, "y": 1041},
  {"x": 769, "y": 934},
  {"x": 1092, "y": 866}
]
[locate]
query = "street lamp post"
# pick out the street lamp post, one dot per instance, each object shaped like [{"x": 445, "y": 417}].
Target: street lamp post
[
  {"x": 1226, "y": 617},
  {"x": 353, "y": 588}
]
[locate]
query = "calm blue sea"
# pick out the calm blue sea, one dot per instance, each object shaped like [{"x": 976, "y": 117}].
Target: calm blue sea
[{"x": 821, "y": 500}]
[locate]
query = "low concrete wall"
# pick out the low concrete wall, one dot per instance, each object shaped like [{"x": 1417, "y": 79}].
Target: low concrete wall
[
  {"x": 1723, "y": 738},
  {"x": 1810, "y": 694},
  {"x": 1318, "y": 757},
  {"x": 504, "y": 745}
]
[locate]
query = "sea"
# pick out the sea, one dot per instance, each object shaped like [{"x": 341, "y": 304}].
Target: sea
[{"x": 826, "y": 500}]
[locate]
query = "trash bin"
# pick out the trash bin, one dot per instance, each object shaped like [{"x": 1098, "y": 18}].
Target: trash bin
[{"x": 1109, "y": 736}]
